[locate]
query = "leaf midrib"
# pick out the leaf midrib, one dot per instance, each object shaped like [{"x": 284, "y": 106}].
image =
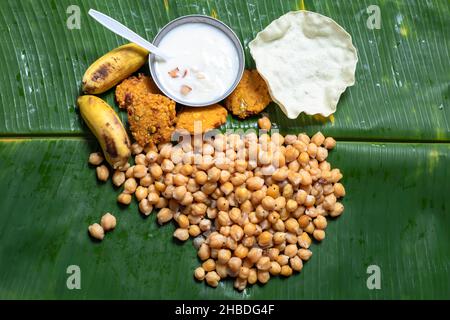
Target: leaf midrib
[{"x": 84, "y": 136}]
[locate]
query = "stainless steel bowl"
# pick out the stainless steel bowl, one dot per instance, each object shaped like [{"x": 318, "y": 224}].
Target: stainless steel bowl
[{"x": 199, "y": 19}]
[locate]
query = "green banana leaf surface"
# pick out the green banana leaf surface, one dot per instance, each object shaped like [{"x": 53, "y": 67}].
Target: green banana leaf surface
[{"x": 392, "y": 127}]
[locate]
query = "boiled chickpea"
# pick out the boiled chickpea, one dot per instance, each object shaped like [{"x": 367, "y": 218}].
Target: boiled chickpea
[
  {"x": 322, "y": 154},
  {"x": 96, "y": 231},
  {"x": 273, "y": 253},
  {"x": 124, "y": 198},
  {"x": 339, "y": 190},
  {"x": 275, "y": 268},
  {"x": 205, "y": 225},
  {"x": 213, "y": 174},
  {"x": 227, "y": 188},
  {"x": 242, "y": 194},
  {"x": 286, "y": 271},
  {"x": 337, "y": 210},
  {"x": 222, "y": 270},
  {"x": 288, "y": 192},
  {"x": 304, "y": 138},
  {"x": 223, "y": 256},
  {"x": 282, "y": 259},
  {"x": 241, "y": 251},
  {"x": 268, "y": 203},
  {"x": 279, "y": 225},
  {"x": 279, "y": 237},
  {"x": 198, "y": 209},
  {"x": 296, "y": 263},
  {"x": 291, "y": 250},
  {"x": 291, "y": 205},
  {"x": 255, "y": 183},
  {"x": 310, "y": 228},
  {"x": 236, "y": 232},
  {"x": 118, "y": 178},
  {"x": 318, "y": 139},
  {"x": 292, "y": 225},
  {"x": 304, "y": 221},
  {"x": 319, "y": 235},
  {"x": 263, "y": 264},
  {"x": 102, "y": 173},
  {"x": 168, "y": 192},
  {"x": 199, "y": 274},
  {"x": 264, "y": 123},
  {"x": 280, "y": 203},
  {"x": 96, "y": 158},
  {"x": 223, "y": 218},
  {"x": 291, "y": 154},
  {"x": 312, "y": 150},
  {"x": 265, "y": 239},
  {"x": 194, "y": 230},
  {"x": 303, "y": 158},
  {"x": 204, "y": 252},
  {"x": 201, "y": 177},
  {"x": 212, "y": 279},
  {"x": 151, "y": 156},
  {"x": 139, "y": 171},
  {"x": 216, "y": 240},
  {"x": 183, "y": 221},
  {"x": 273, "y": 191},
  {"x": 129, "y": 172},
  {"x": 235, "y": 264},
  {"x": 304, "y": 240},
  {"x": 164, "y": 215},
  {"x": 329, "y": 143},
  {"x": 329, "y": 201},
  {"x": 141, "y": 193},
  {"x": 108, "y": 222},
  {"x": 257, "y": 197},
  {"x": 209, "y": 265},
  {"x": 140, "y": 159},
  {"x": 280, "y": 174},
  {"x": 320, "y": 222},
  {"x": 145, "y": 207},
  {"x": 336, "y": 175},
  {"x": 263, "y": 276},
  {"x": 310, "y": 200},
  {"x": 249, "y": 241},
  {"x": 304, "y": 254}
]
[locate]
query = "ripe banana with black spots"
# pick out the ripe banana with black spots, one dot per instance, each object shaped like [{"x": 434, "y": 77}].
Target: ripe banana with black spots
[
  {"x": 113, "y": 67},
  {"x": 107, "y": 127}
]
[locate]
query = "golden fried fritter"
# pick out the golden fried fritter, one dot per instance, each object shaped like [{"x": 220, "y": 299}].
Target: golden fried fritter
[
  {"x": 250, "y": 97},
  {"x": 152, "y": 118},
  {"x": 134, "y": 86},
  {"x": 208, "y": 118}
]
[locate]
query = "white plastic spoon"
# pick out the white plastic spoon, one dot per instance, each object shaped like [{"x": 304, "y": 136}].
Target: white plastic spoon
[{"x": 126, "y": 33}]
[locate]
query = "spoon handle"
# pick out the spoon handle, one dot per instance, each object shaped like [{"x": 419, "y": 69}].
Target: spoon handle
[{"x": 125, "y": 32}]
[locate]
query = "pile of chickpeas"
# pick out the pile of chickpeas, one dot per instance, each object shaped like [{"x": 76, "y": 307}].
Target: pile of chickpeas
[{"x": 252, "y": 203}]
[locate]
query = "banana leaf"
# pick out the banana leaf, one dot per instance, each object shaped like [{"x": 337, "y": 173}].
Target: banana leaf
[
  {"x": 393, "y": 147},
  {"x": 396, "y": 217},
  {"x": 402, "y": 89}
]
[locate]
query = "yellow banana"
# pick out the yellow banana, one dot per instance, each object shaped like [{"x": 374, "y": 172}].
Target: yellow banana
[
  {"x": 113, "y": 67},
  {"x": 107, "y": 127}
]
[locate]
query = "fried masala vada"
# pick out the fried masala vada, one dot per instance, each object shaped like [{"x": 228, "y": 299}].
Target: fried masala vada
[
  {"x": 134, "y": 87},
  {"x": 152, "y": 118},
  {"x": 250, "y": 97},
  {"x": 204, "y": 118}
]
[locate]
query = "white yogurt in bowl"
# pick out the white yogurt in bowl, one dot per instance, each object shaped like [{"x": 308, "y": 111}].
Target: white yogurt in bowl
[{"x": 206, "y": 64}]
